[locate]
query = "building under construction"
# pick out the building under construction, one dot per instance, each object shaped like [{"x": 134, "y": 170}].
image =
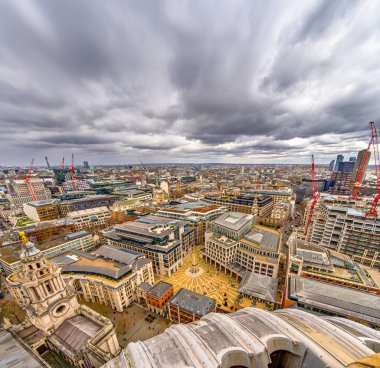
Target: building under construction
[
  {"x": 20, "y": 192},
  {"x": 350, "y": 225},
  {"x": 341, "y": 224}
]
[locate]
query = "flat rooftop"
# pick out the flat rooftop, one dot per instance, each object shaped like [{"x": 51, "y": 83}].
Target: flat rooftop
[
  {"x": 199, "y": 206},
  {"x": 263, "y": 238},
  {"x": 192, "y": 302},
  {"x": 233, "y": 220},
  {"x": 11, "y": 253},
  {"x": 336, "y": 299},
  {"x": 42, "y": 203}
]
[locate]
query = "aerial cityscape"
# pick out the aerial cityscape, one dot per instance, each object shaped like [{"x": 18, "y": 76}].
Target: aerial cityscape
[{"x": 189, "y": 184}]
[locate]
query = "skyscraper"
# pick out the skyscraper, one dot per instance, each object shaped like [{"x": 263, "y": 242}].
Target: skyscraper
[
  {"x": 359, "y": 163},
  {"x": 331, "y": 165},
  {"x": 352, "y": 159},
  {"x": 338, "y": 160}
]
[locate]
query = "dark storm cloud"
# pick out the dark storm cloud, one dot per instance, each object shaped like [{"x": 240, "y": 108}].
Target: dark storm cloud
[{"x": 242, "y": 81}]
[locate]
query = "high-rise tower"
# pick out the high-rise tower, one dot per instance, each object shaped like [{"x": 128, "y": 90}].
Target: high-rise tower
[
  {"x": 339, "y": 159},
  {"x": 359, "y": 163}
]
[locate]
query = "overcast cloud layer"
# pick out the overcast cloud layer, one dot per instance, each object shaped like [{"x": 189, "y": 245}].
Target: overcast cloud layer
[{"x": 187, "y": 81}]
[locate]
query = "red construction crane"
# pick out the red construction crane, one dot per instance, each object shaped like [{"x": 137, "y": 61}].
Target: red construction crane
[
  {"x": 27, "y": 180},
  {"x": 63, "y": 163},
  {"x": 315, "y": 196},
  {"x": 72, "y": 171},
  {"x": 372, "y": 212}
]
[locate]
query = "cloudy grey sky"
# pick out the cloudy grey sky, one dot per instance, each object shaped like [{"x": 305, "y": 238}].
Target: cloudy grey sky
[{"x": 187, "y": 81}]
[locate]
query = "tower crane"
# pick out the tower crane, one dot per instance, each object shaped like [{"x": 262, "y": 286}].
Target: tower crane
[
  {"x": 27, "y": 180},
  {"x": 72, "y": 171},
  {"x": 47, "y": 162},
  {"x": 315, "y": 196},
  {"x": 372, "y": 212}
]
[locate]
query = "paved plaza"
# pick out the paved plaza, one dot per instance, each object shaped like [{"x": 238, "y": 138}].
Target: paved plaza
[
  {"x": 131, "y": 324},
  {"x": 207, "y": 281}
]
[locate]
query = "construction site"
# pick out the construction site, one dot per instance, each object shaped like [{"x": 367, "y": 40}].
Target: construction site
[{"x": 349, "y": 224}]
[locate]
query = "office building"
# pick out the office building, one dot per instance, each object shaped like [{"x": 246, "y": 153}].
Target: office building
[
  {"x": 360, "y": 163},
  {"x": 43, "y": 231},
  {"x": 162, "y": 240},
  {"x": 331, "y": 165},
  {"x": 346, "y": 166},
  {"x": 91, "y": 201},
  {"x": 54, "y": 246},
  {"x": 339, "y": 159},
  {"x": 77, "y": 186},
  {"x": 277, "y": 195},
  {"x": 255, "y": 338},
  {"x": 188, "y": 306},
  {"x": 249, "y": 253},
  {"x": 256, "y": 204},
  {"x": 198, "y": 214},
  {"x": 41, "y": 210},
  {"x": 241, "y": 245},
  {"x": 335, "y": 300},
  {"x": 342, "y": 183},
  {"x": 108, "y": 275},
  {"x": 19, "y": 192},
  {"x": 90, "y": 219}
]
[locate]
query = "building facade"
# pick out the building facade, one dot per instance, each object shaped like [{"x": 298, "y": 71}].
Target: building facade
[
  {"x": 91, "y": 201},
  {"x": 164, "y": 241},
  {"x": 198, "y": 214},
  {"x": 90, "y": 219},
  {"x": 81, "y": 240},
  {"x": 41, "y": 210},
  {"x": 108, "y": 276},
  {"x": 158, "y": 296},
  {"x": 187, "y": 306}
]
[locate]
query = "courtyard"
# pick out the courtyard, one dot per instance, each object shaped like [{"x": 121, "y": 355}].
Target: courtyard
[
  {"x": 133, "y": 324},
  {"x": 207, "y": 280}
]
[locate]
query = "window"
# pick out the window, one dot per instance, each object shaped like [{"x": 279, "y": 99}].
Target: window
[{"x": 48, "y": 287}]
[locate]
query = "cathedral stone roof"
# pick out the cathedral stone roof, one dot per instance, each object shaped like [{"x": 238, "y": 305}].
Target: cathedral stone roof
[
  {"x": 253, "y": 338},
  {"x": 76, "y": 331}
]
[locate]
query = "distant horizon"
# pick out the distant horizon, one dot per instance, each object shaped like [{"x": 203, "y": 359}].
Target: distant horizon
[{"x": 171, "y": 164}]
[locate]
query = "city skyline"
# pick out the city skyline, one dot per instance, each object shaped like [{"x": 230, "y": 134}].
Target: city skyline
[{"x": 239, "y": 83}]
